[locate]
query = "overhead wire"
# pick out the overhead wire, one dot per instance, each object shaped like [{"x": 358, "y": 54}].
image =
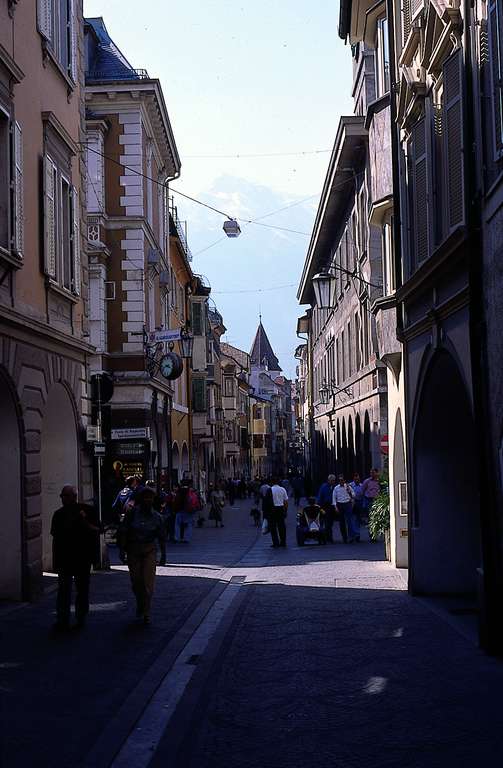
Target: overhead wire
[{"x": 245, "y": 155}]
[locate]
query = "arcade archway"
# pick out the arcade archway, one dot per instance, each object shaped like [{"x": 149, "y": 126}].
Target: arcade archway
[{"x": 10, "y": 479}]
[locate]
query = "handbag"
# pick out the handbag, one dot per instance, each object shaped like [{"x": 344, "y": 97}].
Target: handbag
[{"x": 265, "y": 527}]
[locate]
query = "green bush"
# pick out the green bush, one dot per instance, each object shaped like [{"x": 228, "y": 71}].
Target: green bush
[{"x": 379, "y": 519}]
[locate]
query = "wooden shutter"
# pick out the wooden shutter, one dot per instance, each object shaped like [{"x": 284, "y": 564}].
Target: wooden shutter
[
  {"x": 76, "y": 265},
  {"x": 197, "y": 318},
  {"x": 73, "y": 28},
  {"x": 495, "y": 18},
  {"x": 49, "y": 217},
  {"x": 420, "y": 201},
  {"x": 45, "y": 18},
  {"x": 19, "y": 191},
  {"x": 415, "y": 7},
  {"x": 454, "y": 140},
  {"x": 199, "y": 395},
  {"x": 406, "y": 20}
]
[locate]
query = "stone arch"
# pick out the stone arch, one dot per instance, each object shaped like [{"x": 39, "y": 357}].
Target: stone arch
[
  {"x": 366, "y": 446},
  {"x": 351, "y": 449},
  {"x": 59, "y": 458},
  {"x": 445, "y": 516},
  {"x": 185, "y": 466},
  {"x": 11, "y": 561},
  {"x": 175, "y": 462}
]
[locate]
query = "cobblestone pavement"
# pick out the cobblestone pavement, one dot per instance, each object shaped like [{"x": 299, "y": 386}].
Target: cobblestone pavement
[{"x": 322, "y": 660}]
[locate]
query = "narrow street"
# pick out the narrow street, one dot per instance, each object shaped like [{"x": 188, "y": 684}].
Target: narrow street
[{"x": 256, "y": 657}]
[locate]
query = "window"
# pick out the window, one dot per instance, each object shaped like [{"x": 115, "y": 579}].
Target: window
[
  {"x": 199, "y": 395},
  {"x": 358, "y": 350},
  {"x": 197, "y": 318},
  {"x": 95, "y": 175},
  {"x": 382, "y": 58},
  {"x": 258, "y": 412},
  {"x": 350, "y": 350},
  {"x": 387, "y": 256},
  {"x": 11, "y": 184},
  {"x": 495, "y": 17},
  {"x": 61, "y": 228},
  {"x": 228, "y": 386},
  {"x": 58, "y": 24}
]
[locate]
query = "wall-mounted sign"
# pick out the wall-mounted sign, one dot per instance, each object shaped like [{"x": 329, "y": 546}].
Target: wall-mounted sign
[
  {"x": 92, "y": 433},
  {"x": 99, "y": 449},
  {"x": 130, "y": 448},
  {"x": 130, "y": 432},
  {"x": 155, "y": 337}
]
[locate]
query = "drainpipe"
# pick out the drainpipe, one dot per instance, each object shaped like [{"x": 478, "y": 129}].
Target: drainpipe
[{"x": 490, "y": 575}]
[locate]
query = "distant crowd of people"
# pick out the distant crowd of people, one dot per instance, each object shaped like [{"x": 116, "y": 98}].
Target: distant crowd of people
[{"x": 147, "y": 518}]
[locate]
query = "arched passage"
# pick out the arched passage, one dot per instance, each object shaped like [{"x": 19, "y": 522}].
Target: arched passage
[
  {"x": 358, "y": 446},
  {"x": 351, "y": 449},
  {"x": 344, "y": 467},
  {"x": 185, "y": 459},
  {"x": 59, "y": 459},
  {"x": 445, "y": 535},
  {"x": 367, "y": 453},
  {"x": 400, "y": 492},
  {"x": 10, "y": 478},
  {"x": 175, "y": 463}
]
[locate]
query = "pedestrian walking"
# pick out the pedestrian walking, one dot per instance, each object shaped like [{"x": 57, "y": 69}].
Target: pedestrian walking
[
  {"x": 75, "y": 536},
  {"x": 298, "y": 489},
  {"x": 141, "y": 530},
  {"x": 217, "y": 503},
  {"x": 125, "y": 496},
  {"x": 357, "y": 487},
  {"x": 325, "y": 501},
  {"x": 186, "y": 504},
  {"x": 277, "y": 515},
  {"x": 342, "y": 500},
  {"x": 371, "y": 488},
  {"x": 231, "y": 491}
]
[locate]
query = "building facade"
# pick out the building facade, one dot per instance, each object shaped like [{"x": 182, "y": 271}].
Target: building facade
[
  {"x": 236, "y": 408},
  {"x": 44, "y": 326},
  {"x": 135, "y": 289},
  {"x": 445, "y": 70}
]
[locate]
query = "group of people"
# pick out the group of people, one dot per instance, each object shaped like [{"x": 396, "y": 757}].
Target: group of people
[{"x": 348, "y": 503}]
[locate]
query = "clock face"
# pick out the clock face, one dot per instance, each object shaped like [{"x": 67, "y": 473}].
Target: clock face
[{"x": 170, "y": 366}]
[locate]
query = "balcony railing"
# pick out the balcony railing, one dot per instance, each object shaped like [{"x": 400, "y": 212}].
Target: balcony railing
[{"x": 180, "y": 228}]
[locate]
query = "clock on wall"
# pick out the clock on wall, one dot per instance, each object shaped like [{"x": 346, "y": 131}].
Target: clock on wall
[{"x": 171, "y": 366}]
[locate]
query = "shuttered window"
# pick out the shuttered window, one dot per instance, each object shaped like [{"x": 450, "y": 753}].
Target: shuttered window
[
  {"x": 75, "y": 244},
  {"x": 420, "y": 198},
  {"x": 50, "y": 183},
  {"x": 495, "y": 18},
  {"x": 199, "y": 395},
  {"x": 57, "y": 22},
  {"x": 406, "y": 20},
  {"x": 19, "y": 190},
  {"x": 454, "y": 139},
  {"x": 197, "y": 318}
]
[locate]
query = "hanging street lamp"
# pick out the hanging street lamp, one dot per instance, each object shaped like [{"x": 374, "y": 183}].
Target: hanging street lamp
[
  {"x": 324, "y": 393},
  {"x": 324, "y": 285},
  {"x": 186, "y": 344}
]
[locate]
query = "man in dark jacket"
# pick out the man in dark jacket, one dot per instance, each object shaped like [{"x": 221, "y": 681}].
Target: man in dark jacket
[{"x": 75, "y": 533}]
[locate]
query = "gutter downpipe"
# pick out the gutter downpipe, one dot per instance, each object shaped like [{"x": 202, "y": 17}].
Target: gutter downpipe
[
  {"x": 490, "y": 578},
  {"x": 169, "y": 431}
]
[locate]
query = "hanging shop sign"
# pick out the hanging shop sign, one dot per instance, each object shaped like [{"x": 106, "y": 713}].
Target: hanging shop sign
[{"x": 156, "y": 337}]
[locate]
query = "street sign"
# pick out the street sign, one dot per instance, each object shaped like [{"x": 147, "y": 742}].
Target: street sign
[
  {"x": 92, "y": 433},
  {"x": 384, "y": 445},
  {"x": 99, "y": 449},
  {"x": 154, "y": 337},
  {"x": 133, "y": 433}
]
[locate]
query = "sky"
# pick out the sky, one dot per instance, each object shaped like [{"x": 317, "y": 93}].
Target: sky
[{"x": 261, "y": 77}]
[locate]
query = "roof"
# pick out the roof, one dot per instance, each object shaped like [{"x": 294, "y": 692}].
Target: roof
[
  {"x": 262, "y": 353},
  {"x": 105, "y": 61},
  {"x": 338, "y": 189}
]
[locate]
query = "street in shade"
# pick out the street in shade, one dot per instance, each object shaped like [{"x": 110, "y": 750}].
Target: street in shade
[{"x": 303, "y": 656}]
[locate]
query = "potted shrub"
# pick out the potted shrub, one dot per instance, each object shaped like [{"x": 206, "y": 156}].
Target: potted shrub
[{"x": 379, "y": 520}]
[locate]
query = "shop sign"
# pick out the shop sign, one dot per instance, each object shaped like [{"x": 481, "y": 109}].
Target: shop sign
[{"x": 131, "y": 433}]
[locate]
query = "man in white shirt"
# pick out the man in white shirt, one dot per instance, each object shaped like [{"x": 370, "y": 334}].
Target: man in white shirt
[
  {"x": 277, "y": 515},
  {"x": 342, "y": 500}
]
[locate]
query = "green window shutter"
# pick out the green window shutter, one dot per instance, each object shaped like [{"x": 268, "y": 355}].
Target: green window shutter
[
  {"x": 197, "y": 318},
  {"x": 420, "y": 201},
  {"x": 199, "y": 395},
  {"x": 454, "y": 139}
]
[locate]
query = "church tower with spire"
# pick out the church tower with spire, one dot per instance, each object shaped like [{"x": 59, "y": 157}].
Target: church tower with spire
[{"x": 262, "y": 357}]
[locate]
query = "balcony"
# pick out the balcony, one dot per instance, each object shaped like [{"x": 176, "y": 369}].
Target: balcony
[{"x": 178, "y": 228}]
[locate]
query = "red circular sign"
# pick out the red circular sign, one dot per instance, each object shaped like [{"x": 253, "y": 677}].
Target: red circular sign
[{"x": 384, "y": 444}]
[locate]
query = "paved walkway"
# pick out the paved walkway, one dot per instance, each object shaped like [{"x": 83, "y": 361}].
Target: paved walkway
[{"x": 312, "y": 656}]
